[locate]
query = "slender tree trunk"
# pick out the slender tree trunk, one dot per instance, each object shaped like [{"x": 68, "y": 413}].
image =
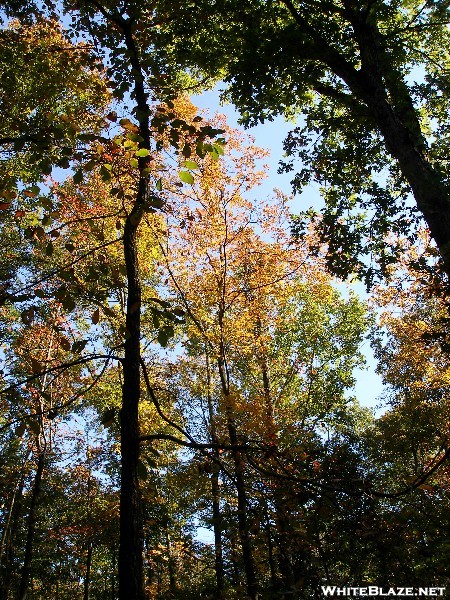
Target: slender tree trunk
[
  {"x": 281, "y": 517},
  {"x": 270, "y": 551},
  {"x": 215, "y": 492},
  {"x": 87, "y": 577},
  {"x": 171, "y": 567},
  {"x": 243, "y": 526},
  {"x": 238, "y": 459},
  {"x": 31, "y": 527},
  {"x": 9, "y": 532},
  {"x": 217, "y": 527},
  {"x": 234, "y": 554}
]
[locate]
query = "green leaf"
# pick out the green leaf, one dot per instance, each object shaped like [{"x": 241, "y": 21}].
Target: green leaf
[
  {"x": 105, "y": 172},
  {"x": 165, "y": 334},
  {"x": 219, "y": 149},
  {"x": 189, "y": 164},
  {"x": 142, "y": 152},
  {"x": 159, "y": 185},
  {"x": 134, "y": 163},
  {"x": 186, "y": 177}
]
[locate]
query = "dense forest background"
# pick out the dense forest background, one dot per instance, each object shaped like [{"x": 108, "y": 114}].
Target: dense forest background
[{"x": 177, "y": 415}]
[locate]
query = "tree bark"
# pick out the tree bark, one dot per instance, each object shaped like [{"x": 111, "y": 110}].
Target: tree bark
[
  {"x": 87, "y": 577},
  {"x": 8, "y": 535},
  {"x": 131, "y": 581},
  {"x": 243, "y": 526},
  {"x": 238, "y": 459},
  {"x": 31, "y": 527},
  {"x": 281, "y": 517},
  {"x": 131, "y": 571},
  {"x": 215, "y": 492}
]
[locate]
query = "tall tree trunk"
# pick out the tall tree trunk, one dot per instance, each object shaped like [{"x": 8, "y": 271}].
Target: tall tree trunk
[
  {"x": 87, "y": 576},
  {"x": 171, "y": 567},
  {"x": 234, "y": 552},
  {"x": 131, "y": 572},
  {"x": 215, "y": 492},
  {"x": 270, "y": 550},
  {"x": 8, "y": 534},
  {"x": 31, "y": 527},
  {"x": 281, "y": 517},
  {"x": 131, "y": 583},
  {"x": 239, "y": 467},
  {"x": 217, "y": 527},
  {"x": 238, "y": 459}
]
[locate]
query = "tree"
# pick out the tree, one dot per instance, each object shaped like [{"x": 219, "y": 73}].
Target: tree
[
  {"x": 52, "y": 93},
  {"x": 118, "y": 32},
  {"x": 259, "y": 354},
  {"x": 370, "y": 81}
]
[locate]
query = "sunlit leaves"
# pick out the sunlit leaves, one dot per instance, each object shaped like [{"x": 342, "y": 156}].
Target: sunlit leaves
[{"x": 186, "y": 177}]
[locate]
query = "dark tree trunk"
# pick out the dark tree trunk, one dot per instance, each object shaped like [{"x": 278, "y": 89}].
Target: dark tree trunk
[
  {"x": 239, "y": 468},
  {"x": 217, "y": 526},
  {"x": 171, "y": 567},
  {"x": 234, "y": 552},
  {"x": 215, "y": 492},
  {"x": 131, "y": 583},
  {"x": 281, "y": 516},
  {"x": 131, "y": 571},
  {"x": 87, "y": 577},
  {"x": 31, "y": 527},
  {"x": 270, "y": 552},
  {"x": 243, "y": 525},
  {"x": 8, "y": 535}
]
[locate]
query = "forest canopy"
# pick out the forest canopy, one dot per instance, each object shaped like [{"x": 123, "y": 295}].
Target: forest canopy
[{"x": 178, "y": 416}]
